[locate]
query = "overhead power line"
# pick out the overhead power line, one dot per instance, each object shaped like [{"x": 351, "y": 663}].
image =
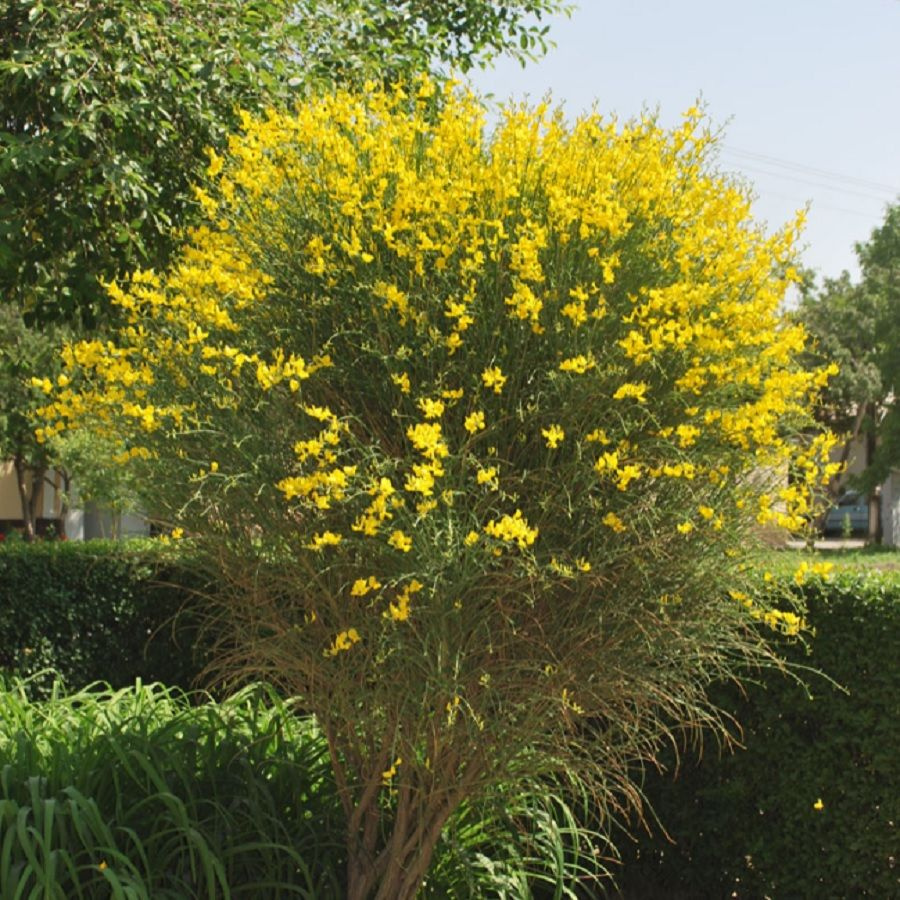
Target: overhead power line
[
  {"x": 883, "y": 198},
  {"x": 828, "y": 175},
  {"x": 816, "y": 205}
]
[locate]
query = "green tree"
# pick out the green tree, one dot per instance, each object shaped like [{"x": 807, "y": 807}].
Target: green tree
[
  {"x": 473, "y": 434},
  {"x": 879, "y": 258},
  {"x": 856, "y": 325},
  {"x": 354, "y": 40},
  {"x": 108, "y": 107},
  {"x": 843, "y": 322},
  {"x": 24, "y": 352}
]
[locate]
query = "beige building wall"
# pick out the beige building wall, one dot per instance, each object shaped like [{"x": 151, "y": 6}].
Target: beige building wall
[{"x": 10, "y": 506}]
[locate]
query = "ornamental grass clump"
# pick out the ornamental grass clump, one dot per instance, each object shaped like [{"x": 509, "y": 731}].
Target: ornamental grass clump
[{"x": 475, "y": 430}]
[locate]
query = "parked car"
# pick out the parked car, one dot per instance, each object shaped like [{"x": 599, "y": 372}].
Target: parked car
[{"x": 849, "y": 516}]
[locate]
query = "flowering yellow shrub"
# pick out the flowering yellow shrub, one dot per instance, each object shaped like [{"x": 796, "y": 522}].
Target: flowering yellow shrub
[{"x": 457, "y": 414}]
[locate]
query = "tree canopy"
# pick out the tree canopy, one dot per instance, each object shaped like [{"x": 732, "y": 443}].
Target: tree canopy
[
  {"x": 108, "y": 107},
  {"x": 856, "y": 324},
  {"x": 880, "y": 261}
]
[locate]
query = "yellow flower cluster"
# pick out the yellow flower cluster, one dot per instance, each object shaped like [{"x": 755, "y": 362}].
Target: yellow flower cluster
[
  {"x": 343, "y": 641},
  {"x": 398, "y": 610},
  {"x": 512, "y": 529}
]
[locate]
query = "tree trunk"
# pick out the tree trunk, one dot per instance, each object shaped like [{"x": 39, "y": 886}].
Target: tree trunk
[
  {"x": 407, "y": 870},
  {"x": 874, "y": 530},
  {"x": 400, "y": 868},
  {"x": 875, "y": 527},
  {"x": 28, "y": 494},
  {"x": 64, "y": 501}
]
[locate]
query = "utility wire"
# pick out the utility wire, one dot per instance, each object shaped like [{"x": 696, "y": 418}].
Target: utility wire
[
  {"x": 892, "y": 189},
  {"x": 819, "y": 184},
  {"x": 816, "y": 205}
]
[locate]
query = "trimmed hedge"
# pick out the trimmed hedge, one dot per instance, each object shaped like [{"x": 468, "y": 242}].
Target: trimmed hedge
[
  {"x": 95, "y": 611},
  {"x": 810, "y": 807}
]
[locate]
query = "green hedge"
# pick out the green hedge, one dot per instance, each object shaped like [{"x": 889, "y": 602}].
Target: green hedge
[
  {"x": 95, "y": 611},
  {"x": 743, "y": 824},
  {"x": 748, "y": 824}
]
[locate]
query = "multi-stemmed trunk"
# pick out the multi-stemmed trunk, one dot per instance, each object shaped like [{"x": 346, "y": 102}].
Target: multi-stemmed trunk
[
  {"x": 389, "y": 857},
  {"x": 397, "y": 870}
]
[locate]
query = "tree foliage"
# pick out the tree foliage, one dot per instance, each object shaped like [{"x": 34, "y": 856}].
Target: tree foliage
[
  {"x": 880, "y": 261},
  {"x": 843, "y": 321},
  {"x": 474, "y": 432},
  {"x": 24, "y": 354},
  {"x": 108, "y": 108},
  {"x": 856, "y": 325},
  {"x": 350, "y": 41}
]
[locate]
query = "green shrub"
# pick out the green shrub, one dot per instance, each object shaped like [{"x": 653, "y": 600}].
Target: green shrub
[
  {"x": 95, "y": 611},
  {"x": 144, "y": 793},
  {"x": 471, "y": 429},
  {"x": 809, "y": 808}
]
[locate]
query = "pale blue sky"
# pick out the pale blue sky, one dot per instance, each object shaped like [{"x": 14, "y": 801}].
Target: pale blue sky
[{"x": 808, "y": 92}]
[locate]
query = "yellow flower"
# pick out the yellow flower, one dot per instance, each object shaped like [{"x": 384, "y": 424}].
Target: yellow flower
[
  {"x": 343, "y": 641},
  {"x": 363, "y": 586},
  {"x": 611, "y": 520},
  {"x": 215, "y": 163},
  {"x": 487, "y": 476},
  {"x": 637, "y": 391},
  {"x": 402, "y": 381},
  {"x": 599, "y": 436},
  {"x": 322, "y": 413},
  {"x": 578, "y": 364},
  {"x": 686, "y": 527},
  {"x": 553, "y": 435},
  {"x": 513, "y": 529},
  {"x": 391, "y": 772},
  {"x": 431, "y": 409},
  {"x": 326, "y": 539},
  {"x": 43, "y": 383},
  {"x": 608, "y": 461},
  {"x": 626, "y": 475},
  {"x": 687, "y": 435},
  {"x": 493, "y": 378},
  {"x": 818, "y": 805},
  {"x": 474, "y": 422},
  {"x": 428, "y": 440},
  {"x": 400, "y": 541},
  {"x": 399, "y": 609}
]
